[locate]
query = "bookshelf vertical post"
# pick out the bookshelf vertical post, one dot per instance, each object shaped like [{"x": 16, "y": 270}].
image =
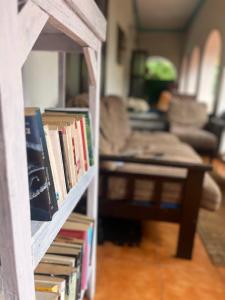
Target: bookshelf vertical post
[
  {"x": 94, "y": 63},
  {"x": 15, "y": 232}
]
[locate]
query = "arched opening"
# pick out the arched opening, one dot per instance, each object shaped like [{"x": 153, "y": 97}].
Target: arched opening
[
  {"x": 210, "y": 70},
  {"x": 193, "y": 71},
  {"x": 183, "y": 75}
]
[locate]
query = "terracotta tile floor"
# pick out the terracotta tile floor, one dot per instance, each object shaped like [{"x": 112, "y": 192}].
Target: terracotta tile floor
[{"x": 151, "y": 272}]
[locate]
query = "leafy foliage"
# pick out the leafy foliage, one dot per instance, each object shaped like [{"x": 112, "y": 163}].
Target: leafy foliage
[{"x": 158, "y": 68}]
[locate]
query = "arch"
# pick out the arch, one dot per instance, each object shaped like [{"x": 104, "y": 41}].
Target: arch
[
  {"x": 210, "y": 69},
  {"x": 183, "y": 75},
  {"x": 193, "y": 71}
]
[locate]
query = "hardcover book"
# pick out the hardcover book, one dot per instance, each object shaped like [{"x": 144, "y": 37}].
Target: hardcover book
[
  {"x": 43, "y": 200},
  {"x": 66, "y": 272}
]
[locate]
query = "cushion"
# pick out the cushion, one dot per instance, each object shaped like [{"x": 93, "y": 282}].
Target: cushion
[
  {"x": 188, "y": 113},
  {"x": 198, "y": 138},
  {"x": 117, "y": 121}
]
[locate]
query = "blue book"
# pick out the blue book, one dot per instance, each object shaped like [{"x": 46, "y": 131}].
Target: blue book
[{"x": 43, "y": 200}]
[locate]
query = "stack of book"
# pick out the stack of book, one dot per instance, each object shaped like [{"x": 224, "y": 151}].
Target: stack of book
[
  {"x": 59, "y": 152},
  {"x": 63, "y": 271}
]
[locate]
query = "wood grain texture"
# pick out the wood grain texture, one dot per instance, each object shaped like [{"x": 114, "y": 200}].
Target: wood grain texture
[
  {"x": 56, "y": 42},
  {"x": 91, "y": 62},
  {"x": 94, "y": 104},
  {"x": 89, "y": 12},
  {"x": 31, "y": 21},
  {"x": 65, "y": 20},
  {"x": 15, "y": 233}
]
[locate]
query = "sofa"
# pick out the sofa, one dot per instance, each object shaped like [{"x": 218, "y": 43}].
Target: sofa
[{"x": 151, "y": 175}]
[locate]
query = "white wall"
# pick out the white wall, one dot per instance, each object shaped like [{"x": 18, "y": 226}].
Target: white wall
[
  {"x": 183, "y": 75},
  {"x": 193, "y": 72},
  {"x": 40, "y": 79},
  {"x": 166, "y": 44},
  {"x": 120, "y": 12}
]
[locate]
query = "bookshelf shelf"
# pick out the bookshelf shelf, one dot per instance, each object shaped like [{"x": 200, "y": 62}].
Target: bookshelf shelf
[
  {"x": 43, "y": 233},
  {"x": 51, "y": 25}
]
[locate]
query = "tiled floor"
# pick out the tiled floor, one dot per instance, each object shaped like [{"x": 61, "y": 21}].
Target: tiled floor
[{"x": 152, "y": 273}]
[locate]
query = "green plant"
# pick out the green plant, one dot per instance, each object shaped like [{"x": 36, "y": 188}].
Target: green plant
[{"x": 158, "y": 68}]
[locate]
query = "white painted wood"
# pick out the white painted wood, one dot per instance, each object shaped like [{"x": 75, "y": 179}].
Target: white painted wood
[
  {"x": 65, "y": 20},
  {"x": 94, "y": 99},
  {"x": 43, "y": 233},
  {"x": 56, "y": 42},
  {"x": 15, "y": 234},
  {"x": 91, "y": 62},
  {"x": 21, "y": 250},
  {"x": 31, "y": 21},
  {"x": 92, "y": 16},
  {"x": 62, "y": 79}
]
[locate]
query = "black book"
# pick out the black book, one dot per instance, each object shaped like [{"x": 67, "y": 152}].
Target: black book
[
  {"x": 43, "y": 200},
  {"x": 65, "y": 168}
]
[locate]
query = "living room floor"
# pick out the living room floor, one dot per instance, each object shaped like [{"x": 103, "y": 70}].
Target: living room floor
[{"x": 152, "y": 272}]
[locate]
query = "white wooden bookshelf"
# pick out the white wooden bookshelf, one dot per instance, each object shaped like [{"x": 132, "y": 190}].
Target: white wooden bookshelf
[{"x": 53, "y": 25}]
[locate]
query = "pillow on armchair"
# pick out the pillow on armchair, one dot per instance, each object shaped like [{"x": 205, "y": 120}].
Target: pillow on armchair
[
  {"x": 187, "y": 120},
  {"x": 188, "y": 113}
]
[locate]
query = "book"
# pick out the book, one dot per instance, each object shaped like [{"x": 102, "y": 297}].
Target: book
[
  {"x": 80, "y": 231},
  {"x": 76, "y": 138},
  {"x": 46, "y": 296},
  {"x": 43, "y": 200},
  {"x": 46, "y": 287},
  {"x": 69, "y": 251},
  {"x": 58, "y": 259},
  {"x": 70, "y": 142},
  {"x": 88, "y": 128},
  {"x": 83, "y": 219},
  {"x": 60, "y": 282},
  {"x": 66, "y": 272},
  {"x": 56, "y": 162}
]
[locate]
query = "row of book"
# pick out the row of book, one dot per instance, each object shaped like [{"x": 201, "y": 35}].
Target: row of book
[
  {"x": 63, "y": 272},
  {"x": 59, "y": 152}
]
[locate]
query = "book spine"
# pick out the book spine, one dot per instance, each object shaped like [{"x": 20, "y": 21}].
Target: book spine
[
  {"x": 89, "y": 138},
  {"x": 40, "y": 202},
  {"x": 53, "y": 205},
  {"x": 84, "y": 144},
  {"x": 65, "y": 168}
]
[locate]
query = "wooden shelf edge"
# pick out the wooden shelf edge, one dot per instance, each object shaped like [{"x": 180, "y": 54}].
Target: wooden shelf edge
[{"x": 43, "y": 233}]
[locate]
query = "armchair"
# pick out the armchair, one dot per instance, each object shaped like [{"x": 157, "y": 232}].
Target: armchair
[{"x": 189, "y": 121}]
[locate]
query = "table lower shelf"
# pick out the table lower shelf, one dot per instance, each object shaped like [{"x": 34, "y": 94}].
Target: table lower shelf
[{"x": 43, "y": 233}]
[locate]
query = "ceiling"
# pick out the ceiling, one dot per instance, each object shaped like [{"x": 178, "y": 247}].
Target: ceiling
[{"x": 165, "y": 15}]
